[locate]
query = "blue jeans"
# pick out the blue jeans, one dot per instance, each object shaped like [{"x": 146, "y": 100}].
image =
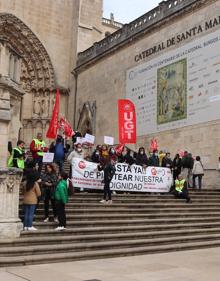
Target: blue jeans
[{"x": 28, "y": 214}]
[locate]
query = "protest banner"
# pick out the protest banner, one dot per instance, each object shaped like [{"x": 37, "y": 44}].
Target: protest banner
[
  {"x": 127, "y": 178},
  {"x": 126, "y": 121}
]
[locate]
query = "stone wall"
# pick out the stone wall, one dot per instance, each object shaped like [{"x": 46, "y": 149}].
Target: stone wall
[{"x": 102, "y": 77}]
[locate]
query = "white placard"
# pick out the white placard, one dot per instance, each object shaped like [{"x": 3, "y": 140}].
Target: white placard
[
  {"x": 48, "y": 157},
  {"x": 179, "y": 88},
  {"x": 89, "y": 138},
  {"x": 79, "y": 140},
  {"x": 127, "y": 178},
  {"x": 108, "y": 140}
]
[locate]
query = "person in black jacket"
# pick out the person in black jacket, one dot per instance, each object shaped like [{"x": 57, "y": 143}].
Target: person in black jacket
[
  {"x": 167, "y": 162},
  {"x": 96, "y": 155},
  {"x": 126, "y": 157},
  {"x": 154, "y": 159},
  {"x": 141, "y": 158},
  {"x": 109, "y": 171},
  {"x": 176, "y": 166}
]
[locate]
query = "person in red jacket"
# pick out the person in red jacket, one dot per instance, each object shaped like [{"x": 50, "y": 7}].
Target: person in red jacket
[{"x": 38, "y": 147}]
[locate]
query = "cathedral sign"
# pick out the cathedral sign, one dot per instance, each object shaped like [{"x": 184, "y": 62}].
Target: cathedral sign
[{"x": 179, "y": 88}]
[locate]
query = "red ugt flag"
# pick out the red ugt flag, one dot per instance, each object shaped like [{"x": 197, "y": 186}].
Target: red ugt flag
[
  {"x": 65, "y": 126},
  {"x": 54, "y": 122},
  {"x": 126, "y": 122}
]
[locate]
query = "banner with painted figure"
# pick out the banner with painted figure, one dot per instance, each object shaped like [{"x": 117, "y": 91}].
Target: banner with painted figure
[{"x": 127, "y": 178}]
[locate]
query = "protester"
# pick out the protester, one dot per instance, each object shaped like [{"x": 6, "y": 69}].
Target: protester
[
  {"x": 49, "y": 181},
  {"x": 126, "y": 157},
  {"x": 59, "y": 153},
  {"x": 104, "y": 154},
  {"x": 38, "y": 147},
  {"x": 61, "y": 197},
  {"x": 17, "y": 157},
  {"x": 181, "y": 190},
  {"x": 109, "y": 171},
  {"x": 76, "y": 153},
  {"x": 198, "y": 171},
  {"x": 187, "y": 165},
  {"x": 154, "y": 159},
  {"x": 176, "y": 166},
  {"x": 161, "y": 155},
  {"x": 167, "y": 162},
  {"x": 31, "y": 194},
  {"x": 96, "y": 155},
  {"x": 141, "y": 157}
]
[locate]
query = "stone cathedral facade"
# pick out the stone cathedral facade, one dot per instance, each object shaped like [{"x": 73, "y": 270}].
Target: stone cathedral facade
[{"x": 39, "y": 42}]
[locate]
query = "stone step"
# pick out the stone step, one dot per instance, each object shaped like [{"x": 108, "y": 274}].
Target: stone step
[
  {"x": 75, "y": 223},
  {"x": 162, "y": 204},
  {"x": 91, "y": 217},
  {"x": 103, "y": 253},
  {"x": 120, "y": 229},
  {"x": 86, "y": 246},
  {"x": 76, "y": 237}
]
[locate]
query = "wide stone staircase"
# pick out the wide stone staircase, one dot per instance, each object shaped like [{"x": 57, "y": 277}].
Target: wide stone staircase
[{"x": 134, "y": 224}]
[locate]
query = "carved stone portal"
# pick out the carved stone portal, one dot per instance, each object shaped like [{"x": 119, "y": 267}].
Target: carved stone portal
[{"x": 35, "y": 71}]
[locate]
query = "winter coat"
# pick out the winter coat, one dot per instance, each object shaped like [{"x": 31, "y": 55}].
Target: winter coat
[
  {"x": 61, "y": 192},
  {"x": 154, "y": 161},
  {"x": 167, "y": 163},
  {"x": 198, "y": 168},
  {"x": 31, "y": 196},
  {"x": 141, "y": 159},
  {"x": 109, "y": 171}
]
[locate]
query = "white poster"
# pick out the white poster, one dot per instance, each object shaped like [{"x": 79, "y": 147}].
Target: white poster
[
  {"x": 127, "y": 178},
  {"x": 108, "y": 140},
  {"x": 48, "y": 157},
  {"x": 179, "y": 88},
  {"x": 89, "y": 138}
]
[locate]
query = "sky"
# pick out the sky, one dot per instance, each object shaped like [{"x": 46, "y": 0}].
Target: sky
[{"x": 127, "y": 10}]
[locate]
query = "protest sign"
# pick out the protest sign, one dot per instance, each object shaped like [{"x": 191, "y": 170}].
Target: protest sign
[
  {"x": 89, "y": 138},
  {"x": 127, "y": 178},
  {"x": 108, "y": 140},
  {"x": 48, "y": 157}
]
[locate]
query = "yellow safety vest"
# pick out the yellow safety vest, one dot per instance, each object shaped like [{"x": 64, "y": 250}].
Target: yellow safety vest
[
  {"x": 20, "y": 162},
  {"x": 38, "y": 145},
  {"x": 179, "y": 185}
]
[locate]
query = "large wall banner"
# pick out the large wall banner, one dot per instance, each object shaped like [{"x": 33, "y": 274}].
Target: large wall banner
[
  {"x": 126, "y": 178},
  {"x": 179, "y": 88}
]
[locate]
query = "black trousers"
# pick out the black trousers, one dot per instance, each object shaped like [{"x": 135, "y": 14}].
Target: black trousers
[
  {"x": 61, "y": 213},
  {"x": 107, "y": 191},
  {"x": 199, "y": 180},
  {"x": 47, "y": 201},
  {"x": 182, "y": 195}
]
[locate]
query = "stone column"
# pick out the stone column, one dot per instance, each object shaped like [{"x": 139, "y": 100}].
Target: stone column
[{"x": 10, "y": 224}]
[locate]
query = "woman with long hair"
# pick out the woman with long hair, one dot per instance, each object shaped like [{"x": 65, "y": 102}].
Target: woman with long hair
[
  {"x": 31, "y": 194},
  {"x": 49, "y": 181}
]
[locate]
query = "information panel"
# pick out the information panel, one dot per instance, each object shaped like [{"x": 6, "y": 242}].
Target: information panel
[{"x": 179, "y": 88}]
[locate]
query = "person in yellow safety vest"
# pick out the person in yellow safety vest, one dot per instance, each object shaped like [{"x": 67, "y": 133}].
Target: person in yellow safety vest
[
  {"x": 181, "y": 190},
  {"x": 38, "y": 147},
  {"x": 17, "y": 157}
]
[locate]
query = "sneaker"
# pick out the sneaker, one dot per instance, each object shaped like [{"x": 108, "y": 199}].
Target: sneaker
[
  {"x": 25, "y": 228},
  {"x": 109, "y": 202},
  {"x": 46, "y": 220},
  {"x": 55, "y": 219},
  {"x": 31, "y": 228},
  {"x": 59, "y": 228},
  {"x": 103, "y": 201}
]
